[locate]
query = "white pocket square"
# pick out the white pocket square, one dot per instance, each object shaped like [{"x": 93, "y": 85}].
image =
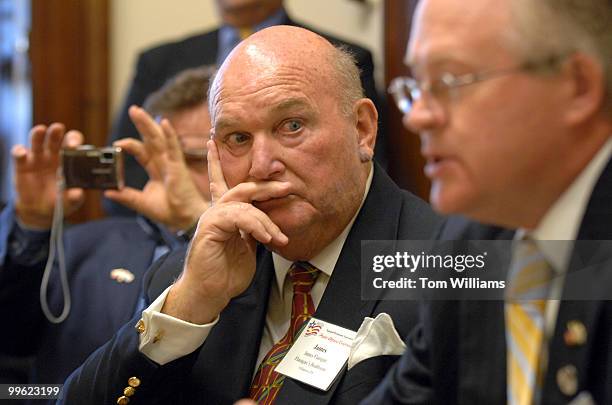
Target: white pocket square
[{"x": 375, "y": 337}]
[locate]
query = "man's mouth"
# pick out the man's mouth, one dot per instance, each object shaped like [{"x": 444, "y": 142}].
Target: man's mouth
[
  {"x": 437, "y": 165},
  {"x": 273, "y": 203}
]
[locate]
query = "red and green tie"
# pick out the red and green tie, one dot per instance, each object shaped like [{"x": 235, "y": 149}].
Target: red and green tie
[{"x": 267, "y": 382}]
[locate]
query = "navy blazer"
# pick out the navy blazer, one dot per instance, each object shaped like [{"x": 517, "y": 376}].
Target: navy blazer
[
  {"x": 100, "y": 305},
  {"x": 457, "y": 354},
  {"x": 220, "y": 371},
  {"x": 156, "y": 65}
]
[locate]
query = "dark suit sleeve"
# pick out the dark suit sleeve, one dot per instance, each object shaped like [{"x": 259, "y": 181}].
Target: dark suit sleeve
[
  {"x": 104, "y": 375},
  {"x": 19, "y": 292}
]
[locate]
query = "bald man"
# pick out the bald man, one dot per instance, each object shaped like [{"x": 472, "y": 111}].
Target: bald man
[
  {"x": 294, "y": 193},
  {"x": 239, "y": 18}
]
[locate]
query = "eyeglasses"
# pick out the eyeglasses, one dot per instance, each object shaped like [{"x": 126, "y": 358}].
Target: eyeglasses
[
  {"x": 195, "y": 156},
  {"x": 406, "y": 90}
]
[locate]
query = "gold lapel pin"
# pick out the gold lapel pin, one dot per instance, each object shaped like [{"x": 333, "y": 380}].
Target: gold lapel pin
[
  {"x": 575, "y": 334},
  {"x": 567, "y": 380}
]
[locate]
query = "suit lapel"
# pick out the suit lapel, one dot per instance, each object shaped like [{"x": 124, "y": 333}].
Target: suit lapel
[
  {"x": 595, "y": 226},
  {"x": 341, "y": 303},
  {"x": 239, "y": 330},
  {"x": 598, "y": 216},
  {"x": 136, "y": 260}
]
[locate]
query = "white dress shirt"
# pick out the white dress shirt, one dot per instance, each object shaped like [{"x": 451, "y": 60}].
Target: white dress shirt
[{"x": 166, "y": 338}]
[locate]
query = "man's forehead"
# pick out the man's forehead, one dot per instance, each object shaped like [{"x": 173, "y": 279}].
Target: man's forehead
[
  {"x": 287, "y": 87},
  {"x": 455, "y": 30},
  {"x": 233, "y": 116}
]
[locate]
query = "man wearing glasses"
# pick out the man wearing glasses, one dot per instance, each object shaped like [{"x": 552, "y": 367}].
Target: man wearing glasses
[
  {"x": 105, "y": 260},
  {"x": 513, "y": 104}
]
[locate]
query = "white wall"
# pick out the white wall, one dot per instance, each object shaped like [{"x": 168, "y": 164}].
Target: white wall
[{"x": 139, "y": 24}]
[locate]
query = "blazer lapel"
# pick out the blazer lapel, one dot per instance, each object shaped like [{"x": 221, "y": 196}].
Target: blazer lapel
[
  {"x": 575, "y": 354},
  {"x": 137, "y": 260},
  {"x": 341, "y": 303},
  {"x": 598, "y": 216},
  {"x": 239, "y": 330}
]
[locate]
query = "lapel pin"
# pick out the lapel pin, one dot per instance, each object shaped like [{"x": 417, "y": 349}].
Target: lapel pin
[
  {"x": 567, "y": 380},
  {"x": 122, "y": 275},
  {"x": 575, "y": 334}
]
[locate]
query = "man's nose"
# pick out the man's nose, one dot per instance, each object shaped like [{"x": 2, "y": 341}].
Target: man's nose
[
  {"x": 421, "y": 117},
  {"x": 266, "y": 159}
]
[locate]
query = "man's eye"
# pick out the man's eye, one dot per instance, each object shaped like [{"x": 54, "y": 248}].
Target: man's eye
[
  {"x": 291, "y": 126},
  {"x": 439, "y": 86},
  {"x": 237, "y": 139}
]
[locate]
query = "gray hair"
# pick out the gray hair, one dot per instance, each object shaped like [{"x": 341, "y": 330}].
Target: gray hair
[
  {"x": 557, "y": 28},
  {"x": 348, "y": 82}
]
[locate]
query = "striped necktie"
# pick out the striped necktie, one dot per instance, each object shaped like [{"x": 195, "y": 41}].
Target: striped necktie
[
  {"x": 267, "y": 382},
  {"x": 245, "y": 32},
  {"x": 530, "y": 278}
]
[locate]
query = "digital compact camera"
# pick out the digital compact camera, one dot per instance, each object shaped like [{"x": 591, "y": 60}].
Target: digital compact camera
[{"x": 91, "y": 167}]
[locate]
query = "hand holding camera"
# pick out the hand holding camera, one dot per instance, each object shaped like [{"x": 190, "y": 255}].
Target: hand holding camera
[
  {"x": 36, "y": 175},
  {"x": 170, "y": 196}
]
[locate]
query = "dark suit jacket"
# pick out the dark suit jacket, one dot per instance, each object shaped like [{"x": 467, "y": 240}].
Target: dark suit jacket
[
  {"x": 457, "y": 354},
  {"x": 155, "y": 66},
  {"x": 220, "y": 371},
  {"x": 100, "y": 305}
]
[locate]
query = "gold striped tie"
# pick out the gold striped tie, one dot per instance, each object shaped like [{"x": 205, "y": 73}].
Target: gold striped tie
[
  {"x": 245, "y": 32},
  {"x": 530, "y": 277}
]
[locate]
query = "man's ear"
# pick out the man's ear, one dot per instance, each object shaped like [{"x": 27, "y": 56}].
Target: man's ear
[
  {"x": 366, "y": 123},
  {"x": 587, "y": 90}
]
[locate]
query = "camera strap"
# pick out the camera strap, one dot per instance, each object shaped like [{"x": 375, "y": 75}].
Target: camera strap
[{"x": 56, "y": 247}]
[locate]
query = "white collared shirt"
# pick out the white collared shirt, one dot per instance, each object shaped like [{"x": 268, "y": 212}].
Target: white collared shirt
[
  {"x": 562, "y": 221},
  {"x": 177, "y": 338}
]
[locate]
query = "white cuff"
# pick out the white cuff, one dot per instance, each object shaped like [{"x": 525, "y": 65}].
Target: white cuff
[{"x": 166, "y": 338}]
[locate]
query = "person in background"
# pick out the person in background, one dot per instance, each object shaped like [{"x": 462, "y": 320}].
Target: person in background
[
  {"x": 294, "y": 192},
  {"x": 515, "y": 120},
  {"x": 106, "y": 259},
  {"x": 239, "y": 18}
]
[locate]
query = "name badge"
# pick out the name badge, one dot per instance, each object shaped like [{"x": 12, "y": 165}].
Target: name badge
[{"x": 318, "y": 355}]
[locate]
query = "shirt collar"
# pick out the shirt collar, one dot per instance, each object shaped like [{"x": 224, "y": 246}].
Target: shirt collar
[
  {"x": 327, "y": 258},
  {"x": 562, "y": 221},
  {"x": 159, "y": 232}
]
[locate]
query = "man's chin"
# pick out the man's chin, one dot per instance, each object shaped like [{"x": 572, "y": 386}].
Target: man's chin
[{"x": 448, "y": 200}]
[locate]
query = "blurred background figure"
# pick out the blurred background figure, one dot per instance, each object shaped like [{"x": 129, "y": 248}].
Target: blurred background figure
[
  {"x": 515, "y": 121},
  {"x": 240, "y": 18},
  {"x": 105, "y": 260}
]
